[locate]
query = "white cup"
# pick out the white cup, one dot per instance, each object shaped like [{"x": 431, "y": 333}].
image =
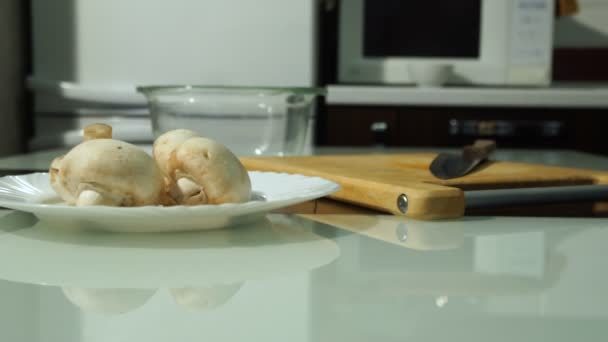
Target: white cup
[{"x": 429, "y": 74}]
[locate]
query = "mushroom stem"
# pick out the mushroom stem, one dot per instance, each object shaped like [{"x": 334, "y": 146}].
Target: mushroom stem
[
  {"x": 188, "y": 192},
  {"x": 92, "y": 197},
  {"x": 97, "y": 131}
]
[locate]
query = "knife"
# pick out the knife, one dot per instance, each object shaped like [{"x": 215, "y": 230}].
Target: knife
[{"x": 449, "y": 165}]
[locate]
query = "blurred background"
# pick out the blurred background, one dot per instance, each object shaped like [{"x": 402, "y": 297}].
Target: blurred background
[{"x": 530, "y": 74}]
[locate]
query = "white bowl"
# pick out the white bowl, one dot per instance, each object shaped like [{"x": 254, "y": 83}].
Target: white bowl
[{"x": 248, "y": 120}]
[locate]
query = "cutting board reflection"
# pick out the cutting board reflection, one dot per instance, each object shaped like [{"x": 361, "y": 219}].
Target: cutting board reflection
[{"x": 377, "y": 181}]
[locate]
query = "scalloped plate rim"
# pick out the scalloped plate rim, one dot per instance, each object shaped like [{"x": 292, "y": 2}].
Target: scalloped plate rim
[{"x": 275, "y": 199}]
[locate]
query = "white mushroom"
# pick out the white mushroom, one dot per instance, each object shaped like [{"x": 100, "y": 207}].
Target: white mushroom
[
  {"x": 200, "y": 170},
  {"x": 106, "y": 172},
  {"x": 166, "y": 143}
]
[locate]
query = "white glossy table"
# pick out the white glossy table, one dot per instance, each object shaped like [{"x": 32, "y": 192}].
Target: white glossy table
[{"x": 311, "y": 278}]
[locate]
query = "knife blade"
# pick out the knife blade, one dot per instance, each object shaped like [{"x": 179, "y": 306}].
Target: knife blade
[
  {"x": 495, "y": 198},
  {"x": 450, "y": 165}
]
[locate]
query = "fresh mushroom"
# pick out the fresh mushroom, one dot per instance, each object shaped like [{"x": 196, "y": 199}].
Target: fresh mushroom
[
  {"x": 166, "y": 143},
  {"x": 103, "y": 171},
  {"x": 200, "y": 170}
]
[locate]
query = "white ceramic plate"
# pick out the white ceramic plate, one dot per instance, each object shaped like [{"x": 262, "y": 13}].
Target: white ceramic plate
[{"x": 33, "y": 193}]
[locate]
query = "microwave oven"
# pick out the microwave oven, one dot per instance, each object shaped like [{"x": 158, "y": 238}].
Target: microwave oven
[{"x": 487, "y": 42}]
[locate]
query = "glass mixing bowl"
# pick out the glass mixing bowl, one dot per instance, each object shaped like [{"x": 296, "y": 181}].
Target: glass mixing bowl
[{"x": 248, "y": 120}]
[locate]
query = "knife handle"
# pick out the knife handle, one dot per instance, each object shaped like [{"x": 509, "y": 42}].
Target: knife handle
[{"x": 481, "y": 149}]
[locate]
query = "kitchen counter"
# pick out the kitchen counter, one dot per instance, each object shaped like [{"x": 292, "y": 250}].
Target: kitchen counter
[
  {"x": 41, "y": 160},
  {"x": 310, "y": 277},
  {"x": 564, "y": 95}
]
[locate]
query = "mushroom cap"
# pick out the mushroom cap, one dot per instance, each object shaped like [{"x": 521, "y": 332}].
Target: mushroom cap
[
  {"x": 166, "y": 143},
  {"x": 214, "y": 167},
  {"x": 110, "y": 166}
]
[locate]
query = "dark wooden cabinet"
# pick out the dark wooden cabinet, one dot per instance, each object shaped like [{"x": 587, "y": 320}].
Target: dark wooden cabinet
[
  {"x": 351, "y": 126},
  {"x": 559, "y": 128},
  {"x": 12, "y": 73}
]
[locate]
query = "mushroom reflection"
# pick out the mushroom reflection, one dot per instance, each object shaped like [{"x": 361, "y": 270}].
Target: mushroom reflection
[
  {"x": 108, "y": 301},
  {"x": 205, "y": 298}
]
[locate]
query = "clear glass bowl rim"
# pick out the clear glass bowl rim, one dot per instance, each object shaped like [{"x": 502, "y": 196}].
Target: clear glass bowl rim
[{"x": 151, "y": 89}]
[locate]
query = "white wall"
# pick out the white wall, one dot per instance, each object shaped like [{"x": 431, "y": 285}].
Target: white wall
[
  {"x": 115, "y": 42},
  {"x": 589, "y": 28}
]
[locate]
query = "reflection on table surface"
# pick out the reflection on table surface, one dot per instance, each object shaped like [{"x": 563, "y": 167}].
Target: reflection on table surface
[{"x": 312, "y": 278}]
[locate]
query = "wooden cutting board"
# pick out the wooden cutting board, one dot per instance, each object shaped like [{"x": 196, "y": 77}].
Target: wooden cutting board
[{"x": 377, "y": 181}]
